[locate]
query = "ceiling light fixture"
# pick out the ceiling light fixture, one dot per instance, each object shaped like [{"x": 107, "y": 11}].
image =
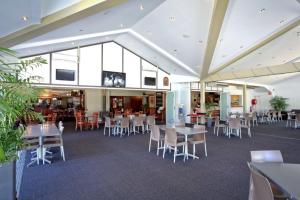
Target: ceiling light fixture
[
  {"x": 200, "y": 41},
  {"x": 73, "y": 43},
  {"x": 224, "y": 55},
  {"x": 262, "y": 10},
  {"x": 185, "y": 36},
  {"x": 273, "y": 57},
  {"x": 24, "y": 18},
  {"x": 282, "y": 21},
  {"x": 259, "y": 53},
  {"x": 141, "y": 7},
  {"x": 172, "y": 18},
  {"x": 121, "y": 25},
  {"x": 258, "y": 65},
  {"x": 284, "y": 61},
  {"x": 80, "y": 30},
  {"x": 241, "y": 46}
]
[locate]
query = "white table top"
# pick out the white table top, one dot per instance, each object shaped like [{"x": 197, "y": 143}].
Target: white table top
[
  {"x": 184, "y": 130},
  {"x": 40, "y": 130},
  {"x": 285, "y": 175}
]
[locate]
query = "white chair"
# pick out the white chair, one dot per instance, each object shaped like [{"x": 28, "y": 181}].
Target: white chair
[
  {"x": 108, "y": 124},
  {"x": 260, "y": 187},
  {"x": 274, "y": 116},
  {"x": 234, "y": 124},
  {"x": 289, "y": 120},
  {"x": 137, "y": 123},
  {"x": 279, "y": 116},
  {"x": 124, "y": 125},
  {"x": 246, "y": 125},
  {"x": 55, "y": 141},
  {"x": 254, "y": 119},
  {"x": 297, "y": 120},
  {"x": 198, "y": 139},
  {"x": 157, "y": 137},
  {"x": 171, "y": 141},
  {"x": 33, "y": 145},
  {"x": 218, "y": 125},
  {"x": 150, "y": 120},
  {"x": 266, "y": 156}
]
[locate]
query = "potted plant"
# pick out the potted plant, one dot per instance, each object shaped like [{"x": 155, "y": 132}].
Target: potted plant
[
  {"x": 209, "y": 109},
  {"x": 16, "y": 100},
  {"x": 279, "y": 103}
]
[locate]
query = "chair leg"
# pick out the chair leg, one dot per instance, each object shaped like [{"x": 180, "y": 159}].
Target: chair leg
[
  {"x": 164, "y": 152},
  {"x": 194, "y": 151},
  {"x": 175, "y": 154},
  {"x": 205, "y": 149},
  {"x": 62, "y": 151},
  {"x": 214, "y": 129},
  {"x": 218, "y": 131},
  {"x": 150, "y": 145},
  {"x": 157, "y": 150},
  {"x": 104, "y": 131}
]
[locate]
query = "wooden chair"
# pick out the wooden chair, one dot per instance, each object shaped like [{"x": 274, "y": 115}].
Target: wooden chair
[{"x": 80, "y": 122}]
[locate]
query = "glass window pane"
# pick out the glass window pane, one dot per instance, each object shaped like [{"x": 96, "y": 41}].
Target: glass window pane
[
  {"x": 163, "y": 80},
  {"x": 90, "y": 66},
  {"x": 112, "y": 57},
  {"x": 195, "y": 86},
  {"x": 148, "y": 66},
  {"x": 64, "y": 67},
  {"x": 43, "y": 71},
  {"x": 148, "y": 74},
  {"x": 132, "y": 69}
]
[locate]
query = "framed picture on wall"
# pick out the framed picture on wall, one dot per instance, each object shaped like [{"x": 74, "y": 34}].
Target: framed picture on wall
[
  {"x": 113, "y": 79},
  {"x": 151, "y": 102},
  {"x": 236, "y": 101}
]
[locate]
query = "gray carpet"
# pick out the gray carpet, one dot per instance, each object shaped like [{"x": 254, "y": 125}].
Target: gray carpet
[{"x": 100, "y": 167}]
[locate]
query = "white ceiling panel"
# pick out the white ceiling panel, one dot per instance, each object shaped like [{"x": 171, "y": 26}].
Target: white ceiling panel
[
  {"x": 248, "y": 22},
  {"x": 180, "y": 28},
  {"x": 281, "y": 50}
]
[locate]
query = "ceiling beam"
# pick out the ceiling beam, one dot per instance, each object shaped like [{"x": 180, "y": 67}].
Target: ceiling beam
[
  {"x": 59, "y": 19},
  {"x": 218, "y": 15},
  {"x": 267, "y": 40},
  {"x": 263, "y": 71}
]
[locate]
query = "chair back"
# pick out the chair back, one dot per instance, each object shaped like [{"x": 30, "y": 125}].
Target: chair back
[
  {"x": 171, "y": 136},
  {"x": 217, "y": 120},
  {"x": 107, "y": 122},
  {"x": 60, "y": 123},
  {"x": 61, "y": 129},
  {"x": 279, "y": 114},
  {"x": 125, "y": 122},
  {"x": 95, "y": 117},
  {"x": 297, "y": 117},
  {"x": 274, "y": 156},
  {"x": 138, "y": 121},
  {"x": 150, "y": 120},
  {"x": 155, "y": 132},
  {"x": 79, "y": 118},
  {"x": 261, "y": 186},
  {"x": 274, "y": 113},
  {"x": 234, "y": 123}
]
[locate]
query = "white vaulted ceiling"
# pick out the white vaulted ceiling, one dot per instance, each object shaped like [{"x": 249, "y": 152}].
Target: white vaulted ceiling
[{"x": 173, "y": 34}]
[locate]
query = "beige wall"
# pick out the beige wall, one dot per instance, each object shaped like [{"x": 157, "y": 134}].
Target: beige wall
[{"x": 94, "y": 100}]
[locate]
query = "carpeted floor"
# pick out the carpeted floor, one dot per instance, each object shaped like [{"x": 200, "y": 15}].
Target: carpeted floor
[{"x": 101, "y": 167}]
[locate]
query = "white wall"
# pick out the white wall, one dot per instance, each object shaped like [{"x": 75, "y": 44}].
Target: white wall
[
  {"x": 94, "y": 100},
  {"x": 262, "y": 97},
  {"x": 289, "y": 88}
]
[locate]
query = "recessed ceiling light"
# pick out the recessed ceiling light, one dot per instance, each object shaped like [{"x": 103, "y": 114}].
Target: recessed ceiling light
[
  {"x": 73, "y": 43},
  {"x": 290, "y": 49},
  {"x": 141, "y": 7},
  {"x": 106, "y": 37},
  {"x": 259, "y": 53},
  {"x": 273, "y": 57},
  {"x": 241, "y": 46},
  {"x": 154, "y": 57},
  {"x": 258, "y": 65},
  {"x": 224, "y": 55},
  {"x": 24, "y": 18},
  {"x": 200, "y": 41},
  {"x": 185, "y": 36},
  {"x": 121, "y": 25},
  {"x": 80, "y": 30},
  {"x": 282, "y": 21},
  {"x": 284, "y": 61},
  {"x": 149, "y": 32},
  {"x": 262, "y": 10},
  {"x": 172, "y": 18}
]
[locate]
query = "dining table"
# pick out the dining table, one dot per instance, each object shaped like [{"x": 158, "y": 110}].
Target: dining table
[
  {"x": 285, "y": 175},
  {"x": 186, "y": 131},
  {"x": 40, "y": 131}
]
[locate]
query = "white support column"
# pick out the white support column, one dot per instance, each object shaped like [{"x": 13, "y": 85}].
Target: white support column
[
  {"x": 245, "y": 106},
  {"x": 107, "y": 102},
  {"x": 202, "y": 101}
]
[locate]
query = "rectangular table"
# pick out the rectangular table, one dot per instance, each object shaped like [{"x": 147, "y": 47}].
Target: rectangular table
[
  {"x": 40, "y": 131},
  {"x": 285, "y": 175},
  {"x": 186, "y": 131}
]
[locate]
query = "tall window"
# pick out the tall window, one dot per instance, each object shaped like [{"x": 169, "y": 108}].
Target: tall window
[
  {"x": 112, "y": 57},
  {"x": 90, "y": 65},
  {"x": 132, "y": 68}
]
